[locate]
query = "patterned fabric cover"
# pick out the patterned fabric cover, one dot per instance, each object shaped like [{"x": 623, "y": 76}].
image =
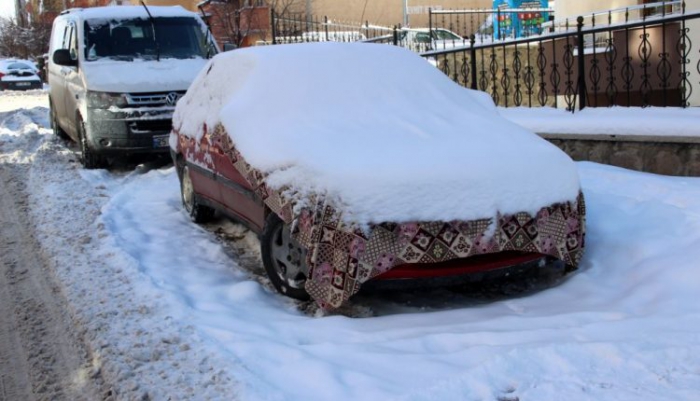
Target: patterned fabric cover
[{"x": 342, "y": 257}]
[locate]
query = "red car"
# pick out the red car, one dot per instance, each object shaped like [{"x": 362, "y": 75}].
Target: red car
[{"x": 329, "y": 224}]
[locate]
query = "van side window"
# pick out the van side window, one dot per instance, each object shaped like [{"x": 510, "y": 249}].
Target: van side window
[
  {"x": 72, "y": 42},
  {"x": 59, "y": 35},
  {"x": 66, "y": 37}
]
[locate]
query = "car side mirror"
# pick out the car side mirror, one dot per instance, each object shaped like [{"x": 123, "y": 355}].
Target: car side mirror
[{"x": 62, "y": 57}]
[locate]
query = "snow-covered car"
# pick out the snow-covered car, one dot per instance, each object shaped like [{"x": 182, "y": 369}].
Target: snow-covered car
[
  {"x": 115, "y": 75},
  {"x": 19, "y": 75},
  {"x": 361, "y": 161}
]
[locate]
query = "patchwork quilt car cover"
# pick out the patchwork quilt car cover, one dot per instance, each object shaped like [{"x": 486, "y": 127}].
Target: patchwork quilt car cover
[{"x": 376, "y": 159}]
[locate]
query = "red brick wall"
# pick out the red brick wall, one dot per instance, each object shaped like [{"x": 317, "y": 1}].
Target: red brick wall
[{"x": 240, "y": 26}]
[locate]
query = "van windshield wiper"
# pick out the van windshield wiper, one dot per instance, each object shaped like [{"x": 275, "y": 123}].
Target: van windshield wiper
[{"x": 153, "y": 28}]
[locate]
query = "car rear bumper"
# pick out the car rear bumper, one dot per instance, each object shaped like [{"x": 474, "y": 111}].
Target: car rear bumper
[
  {"x": 460, "y": 267},
  {"x": 468, "y": 271},
  {"x": 20, "y": 85}
]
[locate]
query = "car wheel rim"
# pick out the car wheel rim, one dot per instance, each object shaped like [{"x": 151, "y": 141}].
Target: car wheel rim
[
  {"x": 187, "y": 191},
  {"x": 288, "y": 258}
]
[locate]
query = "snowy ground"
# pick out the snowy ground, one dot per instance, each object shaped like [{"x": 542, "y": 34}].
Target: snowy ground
[
  {"x": 174, "y": 312},
  {"x": 658, "y": 121}
]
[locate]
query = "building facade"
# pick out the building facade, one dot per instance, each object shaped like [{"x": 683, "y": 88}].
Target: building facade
[{"x": 412, "y": 13}]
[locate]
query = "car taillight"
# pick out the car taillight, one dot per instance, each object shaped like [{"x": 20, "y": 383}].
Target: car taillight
[{"x": 1, "y": 75}]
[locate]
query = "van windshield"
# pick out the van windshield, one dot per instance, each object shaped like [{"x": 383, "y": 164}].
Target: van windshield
[{"x": 177, "y": 37}]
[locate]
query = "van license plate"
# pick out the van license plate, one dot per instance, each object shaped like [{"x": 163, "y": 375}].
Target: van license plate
[
  {"x": 23, "y": 83},
  {"x": 161, "y": 141}
]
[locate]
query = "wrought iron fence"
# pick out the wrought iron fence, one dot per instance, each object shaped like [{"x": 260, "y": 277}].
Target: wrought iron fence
[
  {"x": 300, "y": 28},
  {"x": 631, "y": 63},
  {"x": 603, "y": 59},
  {"x": 489, "y": 25}
]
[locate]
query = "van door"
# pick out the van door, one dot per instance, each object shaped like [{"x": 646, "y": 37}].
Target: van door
[
  {"x": 59, "y": 40},
  {"x": 71, "y": 76}
]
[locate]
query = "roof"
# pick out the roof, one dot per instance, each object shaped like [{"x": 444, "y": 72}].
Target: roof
[{"x": 122, "y": 12}]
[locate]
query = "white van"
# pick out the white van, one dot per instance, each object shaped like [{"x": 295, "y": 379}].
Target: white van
[{"x": 115, "y": 74}]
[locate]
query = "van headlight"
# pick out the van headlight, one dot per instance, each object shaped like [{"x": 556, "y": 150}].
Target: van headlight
[{"x": 105, "y": 100}]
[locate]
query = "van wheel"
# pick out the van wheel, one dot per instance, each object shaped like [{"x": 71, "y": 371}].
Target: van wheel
[
  {"x": 88, "y": 157},
  {"x": 197, "y": 212},
  {"x": 284, "y": 259},
  {"x": 57, "y": 130}
]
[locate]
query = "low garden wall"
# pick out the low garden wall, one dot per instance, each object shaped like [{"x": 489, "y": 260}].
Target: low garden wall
[{"x": 668, "y": 155}]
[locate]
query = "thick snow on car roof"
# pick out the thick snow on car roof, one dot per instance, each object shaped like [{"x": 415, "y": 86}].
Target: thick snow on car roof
[
  {"x": 126, "y": 12},
  {"x": 380, "y": 131},
  {"x": 7, "y": 64}
]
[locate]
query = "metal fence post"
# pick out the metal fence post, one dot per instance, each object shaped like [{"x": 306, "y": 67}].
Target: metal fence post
[
  {"x": 396, "y": 36},
  {"x": 472, "y": 61},
  {"x": 325, "y": 20},
  {"x": 498, "y": 24},
  {"x": 430, "y": 23},
  {"x": 273, "y": 26},
  {"x": 581, "y": 65}
]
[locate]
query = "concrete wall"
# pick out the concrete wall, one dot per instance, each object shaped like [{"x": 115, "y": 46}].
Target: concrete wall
[
  {"x": 572, "y": 9},
  {"x": 679, "y": 156}
]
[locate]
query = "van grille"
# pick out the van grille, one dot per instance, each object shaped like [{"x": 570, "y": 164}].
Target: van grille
[{"x": 154, "y": 99}]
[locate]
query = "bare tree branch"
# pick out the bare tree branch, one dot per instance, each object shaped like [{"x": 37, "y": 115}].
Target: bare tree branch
[{"x": 26, "y": 42}]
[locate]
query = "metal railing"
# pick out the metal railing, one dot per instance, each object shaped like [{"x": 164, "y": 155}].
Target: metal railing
[
  {"x": 491, "y": 24},
  {"x": 300, "y": 28},
  {"x": 619, "y": 15},
  {"x": 597, "y": 62},
  {"x": 632, "y": 63}
]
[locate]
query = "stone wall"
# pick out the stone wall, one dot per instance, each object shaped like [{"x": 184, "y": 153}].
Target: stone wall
[{"x": 666, "y": 155}]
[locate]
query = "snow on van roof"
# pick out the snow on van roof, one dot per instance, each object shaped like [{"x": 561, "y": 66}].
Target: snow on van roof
[
  {"x": 125, "y": 12},
  {"x": 378, "y": 128}
]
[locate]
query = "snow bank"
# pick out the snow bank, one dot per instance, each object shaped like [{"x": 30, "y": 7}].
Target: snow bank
[
  {"x": 649, "y": 121},
  {"x": 377, "y": 128}
]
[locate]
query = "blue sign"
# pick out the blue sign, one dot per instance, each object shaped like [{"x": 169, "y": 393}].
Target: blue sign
[{"x": 523, "y": 19}]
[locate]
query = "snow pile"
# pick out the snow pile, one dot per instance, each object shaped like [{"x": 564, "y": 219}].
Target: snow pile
[
  {"x": 377, "y": 128},
  {"x": 649, "y": 121}
]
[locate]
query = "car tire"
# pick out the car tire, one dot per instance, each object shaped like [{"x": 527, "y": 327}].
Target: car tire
[
  {"x": 284, "y": 259},
  {"x": 57, "y": 130},
  {"x": 88, "y": 157},
  {"x": 198, "y": 213}
]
